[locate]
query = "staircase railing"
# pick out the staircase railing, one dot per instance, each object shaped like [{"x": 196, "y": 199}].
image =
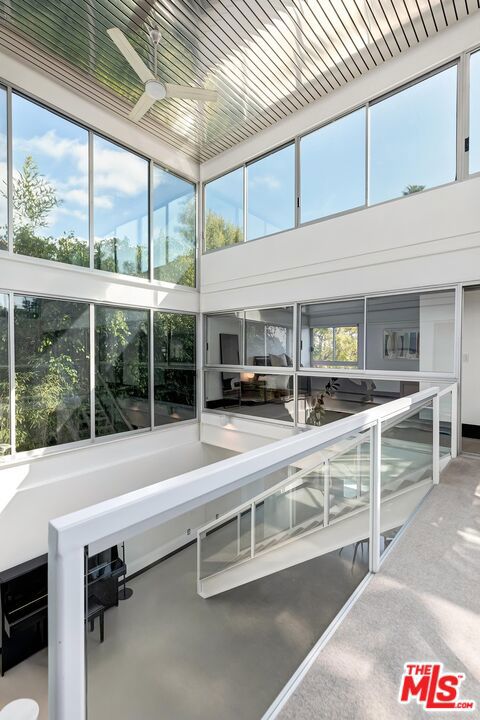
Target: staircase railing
[{"x": 118, "y": 519}]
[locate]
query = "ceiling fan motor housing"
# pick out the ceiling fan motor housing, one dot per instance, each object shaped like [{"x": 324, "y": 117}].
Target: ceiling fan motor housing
[{"x": 155, "y": 89}]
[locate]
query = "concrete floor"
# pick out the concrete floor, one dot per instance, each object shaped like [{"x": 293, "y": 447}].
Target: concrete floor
[
  {"x": 423, "y": 606},
  {"x": 172, "y": 655}
]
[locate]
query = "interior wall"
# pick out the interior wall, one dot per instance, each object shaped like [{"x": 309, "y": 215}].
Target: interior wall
[{"x": 37, "y": 491}]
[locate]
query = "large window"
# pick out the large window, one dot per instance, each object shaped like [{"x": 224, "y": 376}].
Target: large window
[
  {"x": 269, "y": 337},
  {"x": 121, "y": 372},
  {"x": 411, "y": 332},
  {"x": 332, "y": 334},
  {"x": 224, "y": 210},
  {"x": 174, "y": 228},
  {"x": 413, "y": 138},
  {"x": 120, "y": 209},
  {"x": 51, "y": 372},
  {"x": 3, "y": 171},
  {"x": 174, "y": 366},
  {"x": 5, "y": 447},
  {"x": 474, "y": 154},
  {"x": 271, "y": 193},
  {"x": 50, "y": 184},
  {"x": 332, "y": 167}
]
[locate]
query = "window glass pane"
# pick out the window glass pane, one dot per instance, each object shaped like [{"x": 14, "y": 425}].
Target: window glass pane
[
  {"x": 224, "y": 210},
  {"x": 50, "y": 185},
  {"x": 269, "y": 337},
  {"x": 332, "y": 334},
  {"x": 3, "y": 171},
  {"x": 322, "y": 400},
  {"x": 224, "y": 333},
  {"x": 271, "y": 193},
  {"x": 413, "y": 332},
  {"x": 52, "y": 379},
  {"x": 174, "y": 352},
  {"x": 121, "y": 392},
  {"x": 332, "y": 167},
  {"x": 120, "y": 202},
  {"x": 254, "y": 394},
  {"x": 4, "y": 380},
  {"x": 413, "y": 138},
  {"x": 174, "y": 226},
  {"x": 474, "y": 154}
]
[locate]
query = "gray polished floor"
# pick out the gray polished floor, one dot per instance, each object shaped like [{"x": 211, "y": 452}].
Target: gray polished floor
[{"x": 172, "y": 655}]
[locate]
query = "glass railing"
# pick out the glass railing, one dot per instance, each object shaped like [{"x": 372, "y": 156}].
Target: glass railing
[{"x": 288, "y": 530}]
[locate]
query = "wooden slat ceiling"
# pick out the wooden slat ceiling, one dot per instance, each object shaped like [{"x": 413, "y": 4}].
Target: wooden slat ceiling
[{"x": 267, "y": 58}]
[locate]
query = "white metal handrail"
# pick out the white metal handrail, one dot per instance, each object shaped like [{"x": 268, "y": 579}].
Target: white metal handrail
[{"x": 120, "y": 518}]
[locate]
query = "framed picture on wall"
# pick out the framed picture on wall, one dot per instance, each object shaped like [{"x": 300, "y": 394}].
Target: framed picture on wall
[{"x": 401, "y": 344}]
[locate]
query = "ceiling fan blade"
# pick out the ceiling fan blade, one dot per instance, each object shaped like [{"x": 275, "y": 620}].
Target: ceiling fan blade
[
  {"x": 130, "y": 55},
  {"x": 143, "y": 105},
  {"x": 187, "y": 92}
]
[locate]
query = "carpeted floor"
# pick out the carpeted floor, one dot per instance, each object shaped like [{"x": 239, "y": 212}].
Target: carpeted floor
[{"x": 423, "y": 606}]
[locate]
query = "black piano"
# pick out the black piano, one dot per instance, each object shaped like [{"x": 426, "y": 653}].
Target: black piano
[{"x": 24, "y": 601}]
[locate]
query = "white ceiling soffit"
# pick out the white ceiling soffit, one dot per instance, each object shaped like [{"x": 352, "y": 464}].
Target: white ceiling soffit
[{"x": 267, "y": 58}]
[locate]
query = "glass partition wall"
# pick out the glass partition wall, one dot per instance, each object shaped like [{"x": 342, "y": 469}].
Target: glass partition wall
[{"x": 314, "y": 363}]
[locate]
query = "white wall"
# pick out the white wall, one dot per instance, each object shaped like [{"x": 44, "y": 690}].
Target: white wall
[
  {"x": 34, "y": 492},
  {"x": 471, "y": 358}
]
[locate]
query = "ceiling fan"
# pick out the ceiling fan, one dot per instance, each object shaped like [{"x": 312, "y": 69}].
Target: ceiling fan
[{"x": 155, "y": 89}]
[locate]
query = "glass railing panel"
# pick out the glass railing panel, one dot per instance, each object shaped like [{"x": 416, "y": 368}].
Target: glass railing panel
[
  {"x": 292, "y": 510},
  {"x": 226, "y": 544},
  {"x": 406, "y": 468},
  {"x": 349, "y": 478}
]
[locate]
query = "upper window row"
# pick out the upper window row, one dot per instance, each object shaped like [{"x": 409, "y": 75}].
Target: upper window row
[
  {"x": 399, "y": 145},
  {"x": 66, "y": 198}
]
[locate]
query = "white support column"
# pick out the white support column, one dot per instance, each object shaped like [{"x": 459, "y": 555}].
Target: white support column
[
  {"x": 66, "y": 633},
  {"x": 436, "y": 440},
  {"x": 375, "y": 494}
]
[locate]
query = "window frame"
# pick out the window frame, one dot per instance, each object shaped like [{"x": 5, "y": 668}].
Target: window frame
[
  {"x": 466, "y": 91},
  {"x": 12, "y": 88}
]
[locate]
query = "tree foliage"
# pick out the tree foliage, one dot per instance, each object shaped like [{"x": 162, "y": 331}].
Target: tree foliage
[
  {"x": 219, "y": 232},
  {"x": 411, "y": 189}
]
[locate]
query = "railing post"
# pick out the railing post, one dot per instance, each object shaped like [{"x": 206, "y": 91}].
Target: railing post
[
  {"x": 199, "y": 560},
  {"x": 326, "y": 492},
  {"x": 66, "y": 632},
  {"x": 454, "y": 423},
  {"x": 239, "y": 533},
  {"x": 436, "y": 440},
  {"x": 252, "y": 530},
  {"x": 359, "y": 469},
  {"x": 375, "y": 494}
]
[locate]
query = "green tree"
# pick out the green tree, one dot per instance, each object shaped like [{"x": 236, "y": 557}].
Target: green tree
[
  {"x": 220, "y": 233},
  {"x": 180, "y": 268},
  {"x": 34, "y": 198},
  {"x": 411, "y": 189}
]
